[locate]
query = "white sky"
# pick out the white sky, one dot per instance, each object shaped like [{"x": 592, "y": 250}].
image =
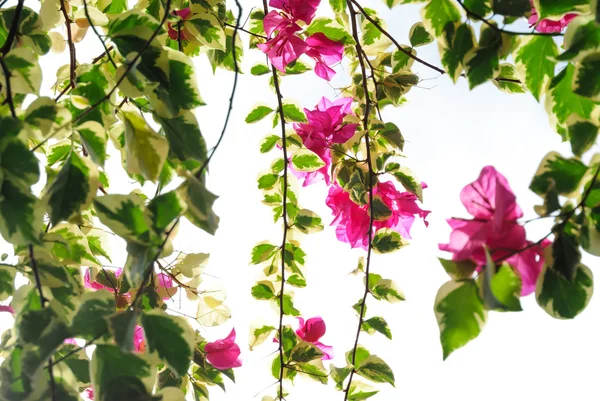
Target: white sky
[{"x": 451, "y": 134}]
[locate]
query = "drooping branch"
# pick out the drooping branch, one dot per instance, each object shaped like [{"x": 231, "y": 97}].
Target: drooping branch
[
  {"x": 367, "y": 112},
  {"x": 502, "y": 30},
  {"x": 71, "y": 44}
]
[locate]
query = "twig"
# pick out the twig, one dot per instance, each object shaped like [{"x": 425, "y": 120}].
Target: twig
[
  {"x": 501, "y": 30},
  {"x": 367, "y": 112},
  {"x": 72, "y": 54},
  {"x": 246, "y": 31},
  {"x": 106, "y": 51},
  {"x": 233, "y": 90},
  {"x": 12, "y": 33},
  {"x": 284, "y": 216},
  {"x": 129, "y": 67},
  {"x": 9, "y": 98}
]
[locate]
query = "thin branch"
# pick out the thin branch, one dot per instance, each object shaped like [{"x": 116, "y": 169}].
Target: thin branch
[
  {"x": 246, "y": 31},
  {"x": 74, "y": 351},
  {"x": 106, "y": 51},
  {"x": 367, "y": 112},
  {"x": 284, "y": 217},
  {"x": 501, "y": 30},
  {"x": 233, "y": 89},
  {"x": 12, "y": 33},
  {"x": 179, "y": 38},
  {"x": 72, "y": 54},
  {"x": 129, "y": 67},
  {"x": 9, "y": 98},
  {"x": 374, "y": 79}
]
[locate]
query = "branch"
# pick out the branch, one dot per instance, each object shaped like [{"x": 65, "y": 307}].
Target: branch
[
  {"x": 106, "y": 50},
  {"x": 501, "y": 30},
  {"x": 408, "y": 53},
  {"x": 9, "y": 98},
  {"x": 284, "y": 216},
  {"x": 72, "y": 54},
  {"x": 233, "y": 90},
  {"x": 248, "y": 32},
  {"x": 43, "y": 300},
  {"x": 367, "y": 112},
  {"x": 130, "y": 66},
  {"x": 12, "y": 33}
]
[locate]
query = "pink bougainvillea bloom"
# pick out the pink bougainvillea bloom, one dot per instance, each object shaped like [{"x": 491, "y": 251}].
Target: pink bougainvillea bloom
[
  {"x": 7, "y": 308},
  {"x": 303, "y": 10},
  {"x": 547, "y": 25},
  {"x": 493, "y": 205},
  {"x": 353, "y": 220},
  {"x": 325, "y": 127},
  {"x": 224, "y": 354},
  {"x": 139, "y": 343},
  {"x": 325, "y": 52},
  {"x": 311, "y": 331},
  {"x": 184, "y": 14},
  {"x": 89, "y": 393},
  {"x": 285, "y": 47},
  {"x": 87, "y": 283}
]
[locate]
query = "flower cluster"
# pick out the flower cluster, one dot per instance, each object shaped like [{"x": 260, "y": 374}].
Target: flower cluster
[
  {"x": 223, "y": 354},
  {"x": 353, "y": 220},
  {"x": 495, "y": 212},
  {"x": 547, "y": 25},
  {"x": 311, "y": 331},
  {"x": 284, "y": 45},
  {"x": 324, "y": 128}
]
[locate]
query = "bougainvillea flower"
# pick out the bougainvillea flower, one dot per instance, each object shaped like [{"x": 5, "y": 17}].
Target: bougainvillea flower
[
  {"x": 7, "y": 308},
  {"x": 311, "y": 331},
  {"x": 139, "y": 343},
  {"x": 325, "y": 52},
  {"x": 547, "y": 25},
  {"x": 303, "y": 10},
  {"x": 88, "y": 283},
  {"x": 89, "y": 393},
  {"x": 284, "y": 48},
  {"x": 493, "y": 205},
  {"x": 184, "y": 14},
  {"x": 224, "y": 354},
  {"x": 325, "y": 127},
  {"x": 353, "y": 220}
]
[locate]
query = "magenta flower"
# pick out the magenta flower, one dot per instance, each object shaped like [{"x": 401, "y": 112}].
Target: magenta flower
[
  {"x": 7, "y": 308},
  {"x": 325, "y": 127},
  {"x": 311, "y": 331},
  {"x": 493, "y": 205},
  {"x": 139, "y": 343},
  {"x": 303, "y": 10},
  {"x": 88, "y": 283},
  {"x": 184, "y": 14},
  {"x": 89, "y": 393},
  {"x": 353, "y": 220},
  {"x": 285, "y": 47},
  {"x": 325, "y": 52},
  {"x": 547, "y": 25},
  {"x": 224, "y": 354}
]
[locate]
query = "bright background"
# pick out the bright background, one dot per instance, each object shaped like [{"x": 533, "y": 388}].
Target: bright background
[{"x": 451, "y": 134}]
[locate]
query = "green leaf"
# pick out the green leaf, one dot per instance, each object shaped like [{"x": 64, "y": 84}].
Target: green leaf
[
  {"x": 409, "y": 181},
  {"x": 513, "y": 8},
  {"x": 458, "y": 270},
  {"x": 500, "y": 289},
  {"x": 89, "y": 321},
  {"x": 338, "y": 6},
  {"x": 25, "y": 71},
  {"x": 185, "y": 139},
  {"x": 263, "y": 252},
  {"x": 145, "y": 150},
  {"x": 503, "y": 80},
  {"x": 558, "y": 8},
  {"x": 561, "y": 298},
  {"x": 73, "y": 188},
  {"x": 122, "y": 326},
  {"x": 171, "y": 337},
  {"x": 267, "y": 181},
  {"x": 224, "y": 59},
  {"x": 483, "y": 62},
  {"x": 438, "y": 13},
  {"x": 263, "y": 290},
  {"x": 305, "y": 352},
  {"x": 330, "y": 28},
  {"x": 556, "y": 172},
  {"x": 377, "y": 324},
  {"x": 94, "y": 139},
  {"x": 308, "y": 221},
  {"x": 200, "y": 204},
  {"x": 296, "y": 281},
  {"x": 479, "y": 7},
  {"x": 359, "y": 357},
  {"x": 44, "y": 115},
  {"x": 566, "y": 256},
  {"x": 206, "y": 28},
  {"x": 307, "y": 160},
  {"x": 165, "y": 209},
  {"x": 120, "y": 376},
  {"x": 460, "y": 314},
  {"x": 358, "y": 390},
  {"x": 292, "y": 113},
  {"x": 459, "y": 42},
  {"x": 288, "y": 306},
  {"x": 269, "y": 143},
  {"x": 58, "y": 153},
  {"x": 339, "y": 375},
  {"x": 385, "y": 289},
  {"x": 387, "y": 240},
  {"x": 587, "y": 77},
  {"x": 536, "y": 58},
  {"x": 419, "y": 36},
  {"x": 581, "y": 39},
  {"x": 125, "y": 215},
  {"x": 582, "y": 135},
  {"x": 259, "y": 335},
  {"x": 391, "y": 133},
  {"x": 375, "y": 369},
  {"x": 260, "y": 69},
  {"x": 7, "y": 280},
  {"x": 562, "y": 102},
  {"x": 258, "y": 113}
]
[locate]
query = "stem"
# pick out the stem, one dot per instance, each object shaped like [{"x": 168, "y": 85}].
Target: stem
[
  {"x": 501, "y": 30},
  {"x": 12, "y": 33},
  {"x": 106, "y": 50},
  {"x": 246, "y": 31},
  {"x": 367, "y": 112},
  {"x": 72, "y": 54},
  {"x": 9, "y": 98},
  {"x": 43, "y": 300},
  {"x": 284, "y": 216}
]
